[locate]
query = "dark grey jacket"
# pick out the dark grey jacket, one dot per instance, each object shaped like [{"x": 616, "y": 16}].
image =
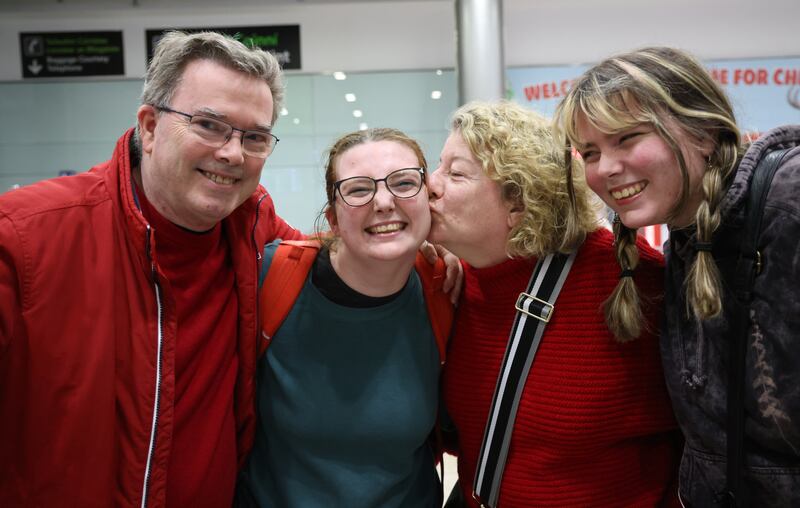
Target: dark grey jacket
[{"x": 695, "y": 355}]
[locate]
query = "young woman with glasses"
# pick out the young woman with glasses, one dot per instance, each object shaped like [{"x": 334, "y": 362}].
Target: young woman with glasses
[{"x": 348, "y": 388}]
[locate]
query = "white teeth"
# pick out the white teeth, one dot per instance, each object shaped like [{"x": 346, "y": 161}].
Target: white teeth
[
  {"x": 629, "y": 191},
  {"x": 222, "y": 180},
  {"x": 385, "y": 228}
]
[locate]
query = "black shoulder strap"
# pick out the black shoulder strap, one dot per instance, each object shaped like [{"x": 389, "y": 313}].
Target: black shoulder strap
[
  {"x": 536, "y": 302},
  {"x": 747, "y": 267}
]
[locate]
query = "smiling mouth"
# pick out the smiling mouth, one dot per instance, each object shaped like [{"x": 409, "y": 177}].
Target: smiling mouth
[
  {"x": 222, "y": 180},
  {"x": 385, "y": 228},
  {"x": 628, "y": 191}
]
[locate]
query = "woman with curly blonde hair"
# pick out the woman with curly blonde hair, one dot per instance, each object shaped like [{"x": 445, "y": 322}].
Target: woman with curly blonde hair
[
  {"x": 660, "y": 145},
  {"x": 593, "y": 425}
]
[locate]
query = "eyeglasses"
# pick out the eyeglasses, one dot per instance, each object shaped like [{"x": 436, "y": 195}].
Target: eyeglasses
[
  {"x": 216, "y": 133},
  {"x": 359, "y": 190}
]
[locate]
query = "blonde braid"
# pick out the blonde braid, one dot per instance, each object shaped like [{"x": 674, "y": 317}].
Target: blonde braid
[
  {"x": 703, "y": 281},
  {"x": 623, "y": 309}
]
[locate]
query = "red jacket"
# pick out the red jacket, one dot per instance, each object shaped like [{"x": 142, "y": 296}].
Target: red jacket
[{"x": 87, "y": 339}]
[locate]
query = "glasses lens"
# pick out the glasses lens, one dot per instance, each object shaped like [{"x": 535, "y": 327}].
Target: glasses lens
[
  {"x": 405, "y": 183},
  {"x": 213, "y": 131},
  {"x": 357, "y": 191},
  {"x": 257, "y": 143}
]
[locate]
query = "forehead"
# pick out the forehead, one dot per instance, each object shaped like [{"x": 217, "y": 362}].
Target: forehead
[
  {"x": 585, "y": 131},
  {"x": 456, "y": 147},
  {"x": 375, "y": 159},
  {"x": 209, "y": 85}
]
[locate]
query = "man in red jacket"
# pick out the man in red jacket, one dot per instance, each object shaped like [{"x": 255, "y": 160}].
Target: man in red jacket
[{"x": 128, "y": 321}]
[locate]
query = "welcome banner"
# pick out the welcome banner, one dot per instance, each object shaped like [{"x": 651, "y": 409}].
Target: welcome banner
[{"x": 765, "y": 92}]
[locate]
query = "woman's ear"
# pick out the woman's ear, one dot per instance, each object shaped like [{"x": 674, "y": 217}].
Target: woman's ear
[
  {"x": 515, "y": 214},
  {"x": 330, "y": 216},
  {"x": 707, "y": 144}
]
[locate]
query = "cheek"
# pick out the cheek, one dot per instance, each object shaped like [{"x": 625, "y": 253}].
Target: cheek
[
  {"x": 252, "y": 171},
  {"x": 421, "y": 213},
  {"x": 593, "y": 179},
  {"x": 463, "y": 200},
  {"x": 350, "y": 221}
]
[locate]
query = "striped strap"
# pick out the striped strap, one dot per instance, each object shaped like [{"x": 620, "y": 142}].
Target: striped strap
[{"x": 536, "y": 302}]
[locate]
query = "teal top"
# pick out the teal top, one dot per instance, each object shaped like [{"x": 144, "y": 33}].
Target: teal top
[{"x": 347, "y": 399}]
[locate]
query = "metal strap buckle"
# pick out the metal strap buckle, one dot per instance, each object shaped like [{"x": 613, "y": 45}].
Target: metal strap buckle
[
  {"x": 478, "y": 500},
  {"x": 546, "y": 306}
]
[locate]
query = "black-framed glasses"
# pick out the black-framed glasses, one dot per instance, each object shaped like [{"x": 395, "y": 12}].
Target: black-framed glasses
[
  {"x": 215, "y": 133},
  {"x": 360, "y": 190}
]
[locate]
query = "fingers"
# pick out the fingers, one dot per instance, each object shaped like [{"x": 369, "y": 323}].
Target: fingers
[
  {"x": 454, "y": 275},
  {"x": 429, "y": 252}
]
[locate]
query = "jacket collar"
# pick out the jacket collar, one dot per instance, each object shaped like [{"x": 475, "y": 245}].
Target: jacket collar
[
  {"x": 778, "y": 138},
  {"x": 239, "y": 223}
]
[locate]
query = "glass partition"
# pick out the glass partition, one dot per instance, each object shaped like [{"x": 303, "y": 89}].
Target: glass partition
[{"x": 54, "y": 127}]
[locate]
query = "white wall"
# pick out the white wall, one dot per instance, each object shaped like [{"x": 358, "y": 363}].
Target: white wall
[
  {"x": 396, "y": 35},
  {"x": 584, "y": 31}
]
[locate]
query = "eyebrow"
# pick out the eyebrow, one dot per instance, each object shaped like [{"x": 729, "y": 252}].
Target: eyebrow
[
  {"x": 220, "y": 116},
  {"x": 458, "y": 158}
]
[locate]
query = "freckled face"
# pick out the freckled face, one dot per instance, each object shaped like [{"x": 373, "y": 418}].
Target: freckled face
[
  {"x": 388, "y": 228},
  {"x": 636, "y": 173}
]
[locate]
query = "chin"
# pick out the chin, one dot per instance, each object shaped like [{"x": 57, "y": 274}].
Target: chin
[
  {"x": 634, "y": 222},
  {"x": 394, "y": 253}
]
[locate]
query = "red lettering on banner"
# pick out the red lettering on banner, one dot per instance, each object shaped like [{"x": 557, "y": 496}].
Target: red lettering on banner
[
  {"x": 532, "y": 92},
  {"x": 550, "y": 90},
  {"x": 720, "y": 76},
  {"x": 786, "y": 76},
  {"x": 750, "y": 76}
]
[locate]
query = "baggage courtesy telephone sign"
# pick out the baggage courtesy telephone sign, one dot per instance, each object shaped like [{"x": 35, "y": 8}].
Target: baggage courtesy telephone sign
[{"x": 70, "y": 54}]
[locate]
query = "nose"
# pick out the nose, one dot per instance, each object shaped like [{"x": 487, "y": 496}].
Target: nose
[
  {"x": 434, "y": 184},
  {"x": 231, "y": 152},
  {"x": 383, "y": 200},
  {"x": 608, "y": 165}
]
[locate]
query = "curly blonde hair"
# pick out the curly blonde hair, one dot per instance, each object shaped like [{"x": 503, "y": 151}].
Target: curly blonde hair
[
  {"x": 655, "y": 86},
  {"x": 517, "y": 149}
]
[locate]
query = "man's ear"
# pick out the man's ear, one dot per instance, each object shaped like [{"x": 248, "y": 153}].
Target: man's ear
[{"x": 146, "y": 118}]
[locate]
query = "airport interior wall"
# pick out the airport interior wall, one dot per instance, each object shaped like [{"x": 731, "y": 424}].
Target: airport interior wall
[{"x": 396, "y": 56}]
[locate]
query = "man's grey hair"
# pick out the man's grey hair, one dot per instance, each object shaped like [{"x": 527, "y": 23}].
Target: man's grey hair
[{"x": 177, "y": 49}]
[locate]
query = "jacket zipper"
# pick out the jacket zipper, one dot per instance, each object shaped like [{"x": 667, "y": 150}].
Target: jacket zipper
[
  {"x": 258, "y": 272},
  {"x": 154, "y": 428}
]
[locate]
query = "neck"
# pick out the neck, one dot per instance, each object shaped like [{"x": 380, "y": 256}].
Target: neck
[
  {"x": 164, "y": 210},
  {"x": 488, "y": 255},
  {"x": 371, "y": 277}
]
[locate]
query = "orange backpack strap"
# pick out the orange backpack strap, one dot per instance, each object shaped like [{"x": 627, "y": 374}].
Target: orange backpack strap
[
  {"x": 440, "y": 310},
  {"x": 285, "y": 278}
]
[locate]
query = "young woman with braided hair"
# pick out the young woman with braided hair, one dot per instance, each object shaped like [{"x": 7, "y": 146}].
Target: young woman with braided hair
[{"x": 660, "y": 144}]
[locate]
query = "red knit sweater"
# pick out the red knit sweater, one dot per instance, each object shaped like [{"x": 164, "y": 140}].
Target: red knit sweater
[{"x": 593, "y": 426}]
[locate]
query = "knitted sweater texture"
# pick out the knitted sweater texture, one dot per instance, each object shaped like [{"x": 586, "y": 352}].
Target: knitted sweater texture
[{"x": 594, "y": 425}]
